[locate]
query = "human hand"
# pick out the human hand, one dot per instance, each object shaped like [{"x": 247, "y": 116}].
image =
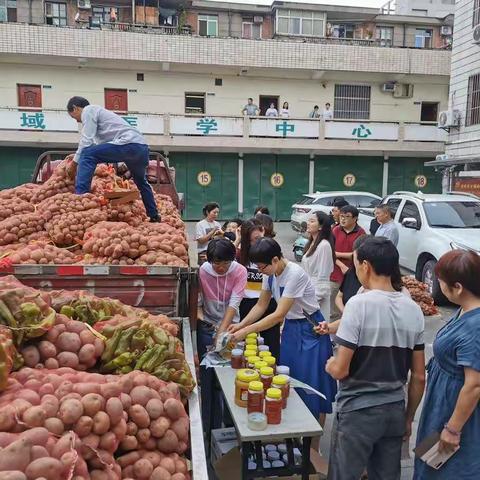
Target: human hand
[
  {"x": 448, "y": 442},
  {"x": 71, "y": 168},
  {"x": 322, "y": 328},
  {"x": 408, "y": 429},
  {"x": 239, "y": 335},
  {"x": 328, "y": 365},
  {"x": 234, "y": 327},
  {"x": 343, "y": 268}
]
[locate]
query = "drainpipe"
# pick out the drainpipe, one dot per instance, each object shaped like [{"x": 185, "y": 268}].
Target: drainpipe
[
  {"x": 229, "y": 23},
  {"x": 30, "y": 15},
  {"x": 404, "y": 35},
  {"x": 133, "y": 12}
]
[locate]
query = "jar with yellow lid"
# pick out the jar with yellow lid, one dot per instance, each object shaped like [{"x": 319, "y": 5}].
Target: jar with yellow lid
[
  {"x": 271, "y": 362},
  {"x": 252, "y": 335},
  {"x": 242, "y": 380},
  {"x": 246, "y": 355},
  {"x": 259, "y": 365},
  {"x": 282, "y": 382},
  {"x": 252, "y": 360},
  {"x": 255, "y": 397},
  {"x": 251, "y": 341},
  {"x": 273, "y": 406},
  {"x": 264, "y": 353},
  {"x": 251, "y": 347},
  {"x": 266, "y": 377}
]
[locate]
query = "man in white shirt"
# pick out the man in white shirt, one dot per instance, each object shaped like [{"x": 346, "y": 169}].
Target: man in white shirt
[
  {"x": 108, "y": 138},
  {"x": 328, "y": 112},
  {"x": 388, "y": 228}
]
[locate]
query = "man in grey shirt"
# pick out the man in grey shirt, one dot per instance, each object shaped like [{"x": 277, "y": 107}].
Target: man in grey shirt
[
  {"x": 250, "y": 109},
  {"x": 108, "y": 138},
  {"x": 388, "y": 228}
]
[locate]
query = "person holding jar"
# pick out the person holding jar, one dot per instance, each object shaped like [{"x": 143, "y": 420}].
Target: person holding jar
[
  {"x": 451, "y": 405},
  {"x": 206, "y": 229},
  {"x": 301, "y": 349}
]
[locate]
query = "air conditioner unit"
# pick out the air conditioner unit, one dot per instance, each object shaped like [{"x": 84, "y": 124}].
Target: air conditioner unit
[
  {"x": 257, "y": 19},
  {"x": 84, "y": 4},
  {"x": 403, "y": 90},
  {"x": 449, "y": 118},
  {"x": 476, "y": 34},
  {"x": 446, "y": 30},
  {"x": 388, "y": 87}
]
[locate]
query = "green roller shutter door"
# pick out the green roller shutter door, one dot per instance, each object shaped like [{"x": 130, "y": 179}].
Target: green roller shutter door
[
  {"x": 223, "y": 188},
  {"x": 331, "y": 170},
  {"x": 17, "y": 165},
  {"x": 402, "y": 173},
  {"x": 258, "y": 189}
]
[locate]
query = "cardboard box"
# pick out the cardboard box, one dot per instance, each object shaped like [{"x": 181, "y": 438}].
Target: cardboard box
[{"x": 223, "y": 440}]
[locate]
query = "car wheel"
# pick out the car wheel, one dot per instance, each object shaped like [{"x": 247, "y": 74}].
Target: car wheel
[
  {"x": 430, "y": 279},
  {"x": 298, "y": 254}
]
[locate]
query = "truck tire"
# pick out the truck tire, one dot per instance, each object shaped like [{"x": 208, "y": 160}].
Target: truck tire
[{"x": 430, "y": 279}]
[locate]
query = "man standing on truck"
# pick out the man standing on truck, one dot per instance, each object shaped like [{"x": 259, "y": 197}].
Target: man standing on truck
[{"x": 108, "y": 138}]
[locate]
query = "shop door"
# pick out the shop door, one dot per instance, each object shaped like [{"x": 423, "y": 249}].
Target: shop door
[
  {"x": 276, "y": 181},
  {"x": 207, "y": 177},
  {"x": 410, "y": 174},
  {"x": 338, "y": 173}
]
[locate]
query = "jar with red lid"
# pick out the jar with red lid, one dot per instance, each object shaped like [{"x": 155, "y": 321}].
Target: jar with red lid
[
  {"x": 282, "y": 382},
  {"x": 273, "y": 406},
  {"x": 256, "y": 397}
]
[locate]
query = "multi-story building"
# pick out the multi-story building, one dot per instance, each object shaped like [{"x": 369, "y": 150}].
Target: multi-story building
[
  {"x": 461, "y": 163},
  {"x": 183, "y": 73},
  {"x": 423, "y": 8}
]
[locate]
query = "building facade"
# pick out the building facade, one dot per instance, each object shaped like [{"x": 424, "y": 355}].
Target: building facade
[
  {"x": 182, "y": 73},
  {"x": 421, "y": 8}
]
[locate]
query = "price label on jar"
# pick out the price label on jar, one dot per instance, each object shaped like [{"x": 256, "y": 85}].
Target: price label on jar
[
  {"x": 204, "y": 179},
  {"x": 277, "y": 180},
  {"x": 349, "y": 180}
]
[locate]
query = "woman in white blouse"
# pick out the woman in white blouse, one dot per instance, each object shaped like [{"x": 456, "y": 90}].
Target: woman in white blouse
[
  {"x": 285, "y": 111},
  {"x": 319, "y": 258}
]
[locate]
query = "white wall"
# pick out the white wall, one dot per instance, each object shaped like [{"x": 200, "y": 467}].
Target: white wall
[
  {"x": 434, "y": 8},
  {"x": 163, "y": 92}
]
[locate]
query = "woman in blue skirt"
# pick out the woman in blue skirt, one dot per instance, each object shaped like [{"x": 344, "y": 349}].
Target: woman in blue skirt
[
  {"x": 301, "y": 349},
  {"x": 451, "y": 405}
]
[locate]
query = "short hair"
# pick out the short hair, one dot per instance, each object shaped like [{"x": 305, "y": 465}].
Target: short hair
[
  {"x": 460, "y": 266},
  {"x": 385, "y": 208},
  {"x": 340, "y": 203},
  {"x": 262, "y": 209},
  {"x": 209, "y": 207},
  {"x": 77, "y": 102},
  {"x": 328, "y": 104},
  {"x": 350, "y": 209},
  {"x": 265, "y": 250},
  {"x": 220, "y": 250},
  {"x": 316, "y": 106},
  {"x": 381, "y": 254},
  {"x": 230, "y": 236},
  {"x": 238, "y": 221},
  {"x": 250, "y": 98}
]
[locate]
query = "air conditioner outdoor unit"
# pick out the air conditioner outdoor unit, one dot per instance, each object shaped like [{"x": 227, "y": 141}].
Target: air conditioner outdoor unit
[
  {"x": 403, "y": 90},
  {"x": 476, "y": 34},
  {"x": 388, "y": 87},
  {"x": 257, "y": 19},
  {"x": 449, "y": 118},
  {"x": 446, "y": 30},
  {"x": 84, "y": 4}
]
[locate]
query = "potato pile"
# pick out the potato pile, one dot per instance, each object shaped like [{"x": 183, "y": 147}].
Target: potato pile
[
  {"x": 136, "y": 418},
  {"x": 42, "y": 253},
  {"x": 420, "y": 295},
  {"x": 51, "y": 212}
]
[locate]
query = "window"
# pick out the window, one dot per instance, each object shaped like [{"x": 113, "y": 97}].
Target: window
[
  {"x": 251, "y": 30},
  {"x": 56, "y": 14},
  {"x": 394, "y": 203},
  {"x": 299, "y": 22},
  {"x": 218, "y": 82},
  {"x": 343, "y": 31},
  {"x": 194, "y": 102},
  {"x": 140, "y": 77},
  {"x": 419, "y": 12},
  {"x": 325, "y": 201},
  {"x": 410, "y": 210},
  {"x": 100, "y": 15},
  {"x": 365, "y": 201},
  {"x": 116, "y": 99},
  {"x": 352, "y": 102},
  {"x": 476, "y": 13},
  {"x": 429, "y": 112},
  {"x": 473, "y": 101},
  {"x": 29, "y": 96},
  {"x": 8, "y": 10},
  {"x": 453, "y": 214},
  {"x": 208, "y": 25},
  {"x": 385, "y": 36},
  {"x": 423, "y": 38}
]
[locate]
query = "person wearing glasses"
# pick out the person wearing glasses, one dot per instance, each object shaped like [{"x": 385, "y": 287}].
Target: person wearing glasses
[
  {"x": 345, "y": 235},
  {"x": 222, "y": 288},
  {"x": 301, "y": 349}
]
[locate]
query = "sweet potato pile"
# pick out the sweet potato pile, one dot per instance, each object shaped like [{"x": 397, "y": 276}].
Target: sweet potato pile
[
  {"x": 419, "y": 293},
  {"x": 53, "y": 213}
]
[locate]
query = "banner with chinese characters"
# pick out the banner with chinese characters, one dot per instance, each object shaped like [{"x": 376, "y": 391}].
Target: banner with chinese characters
[
  {"x": 361, "y": 130},
  {"x": 284, "y": 127},
  {"x": 206, "y": 126}
]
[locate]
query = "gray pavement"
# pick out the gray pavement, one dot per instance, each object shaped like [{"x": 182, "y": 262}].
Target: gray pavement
[{"x": 286, "y": 237}]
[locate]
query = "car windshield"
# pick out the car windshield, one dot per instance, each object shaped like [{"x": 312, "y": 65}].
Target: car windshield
[
  {"x": 305, "y": 201},
  {"x": 453, "y": 214}
]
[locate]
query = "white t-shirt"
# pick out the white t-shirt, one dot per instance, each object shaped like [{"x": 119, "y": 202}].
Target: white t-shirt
[
  {"x": 285, "y": 113},
  {"x": 202, "y": 229},
  {"x": 328, "y": 114},
  {"x": 271, "y": 112},
  {"x": 294, "y": 283},
  {"x": 320, "y": 264}
]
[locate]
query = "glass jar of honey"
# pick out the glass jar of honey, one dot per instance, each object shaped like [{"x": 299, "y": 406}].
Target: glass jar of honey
[
  {"x": 273, "y": 406},
  {"x": 266, "y": 377},
  {"x": 282, "y": 382},
  {"x": 242, "y": 380},
  {"x": 255, "y": 397},
  {"x": 264, "y": 353},
  {"x": 271, "y": 362},
  {"x": 236, "y": 361}
]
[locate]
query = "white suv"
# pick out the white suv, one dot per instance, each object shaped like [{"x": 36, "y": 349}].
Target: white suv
[
  {"x": 323, "y": 202},
  {"x": 430, "y": 226}
]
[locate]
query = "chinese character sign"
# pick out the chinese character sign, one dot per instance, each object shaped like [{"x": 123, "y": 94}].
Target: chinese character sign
[
  {"x": 207, "y": 125},
  {"x": 361, "y": 132},
  {"x": 33, "y": 120},
  {"x": 284, "y": 128},
  {"x": 131, "y": 120}
]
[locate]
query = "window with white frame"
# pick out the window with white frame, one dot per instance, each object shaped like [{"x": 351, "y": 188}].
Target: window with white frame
[
  {"x": 56, "y": 14},
  {"x": 352, "y": 102},
  {"x": 251, "y": 30},
  {"x": 101, "y": 14},
  {"x": 208, "y": 25},
  {"x": 343, "y": 30},
  {"x": 476, "y": 13},
  {"x": 300, "y": 22},
  {"x": 385, "y": 36},
  {"x": 423, "y": 37},
  {"x": 473, "y": 101}
]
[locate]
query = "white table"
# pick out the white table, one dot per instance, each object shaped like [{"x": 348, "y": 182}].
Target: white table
[{"x": 297, "y": 424}]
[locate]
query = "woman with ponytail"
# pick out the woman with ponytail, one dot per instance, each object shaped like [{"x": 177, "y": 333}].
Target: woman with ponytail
[{"x": 319, "y": 258}]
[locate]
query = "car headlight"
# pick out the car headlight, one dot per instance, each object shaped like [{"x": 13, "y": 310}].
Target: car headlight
[{"x": 460, "y": 246}]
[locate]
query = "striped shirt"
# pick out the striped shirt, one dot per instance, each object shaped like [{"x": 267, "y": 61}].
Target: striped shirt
[{"x": 383, "y": 328}]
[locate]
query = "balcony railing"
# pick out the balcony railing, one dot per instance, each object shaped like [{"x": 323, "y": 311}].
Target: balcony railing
[
  {"x": 140, "y": 28},
  {"x": 174, "y": 125}
]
